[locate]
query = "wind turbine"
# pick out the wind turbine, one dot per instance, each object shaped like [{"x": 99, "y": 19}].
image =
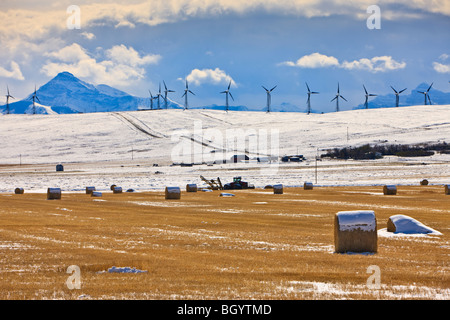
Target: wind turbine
[
  {"x": 34, "y": 97},
  {"x": 366, "y": 103},
  {"x": 185, "y": 95},
  {"x": 165, "y": 94},
  {"x": 227, "y": 92},
  {"x": 151, "y": 99},
  {"x": 397, "y": 98},
  {"x": 425, "y": 93},
  {"x": 7, "y": 100},
  {"x": 158, "y": 96},
  {"x": 308, "y": 102},
  {"x": 269, "y": 97},
  {"x": 338, "y": 95}
]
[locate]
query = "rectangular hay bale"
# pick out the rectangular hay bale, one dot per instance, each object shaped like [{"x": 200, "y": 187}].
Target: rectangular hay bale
[{"x": 355, "y": 231}]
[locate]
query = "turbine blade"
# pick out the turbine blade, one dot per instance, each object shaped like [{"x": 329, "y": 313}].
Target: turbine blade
[
  {"x": 229, "y": 85},
  {"x": 344, "y": 98},
  {"x": 365, "y": 89},
  {"x": 430, "y": 87},
  {"x": 394, "y": 89},
  {"x": 265, "y": 88},
  {"x": 307, "y": 87},
  {"x": 273, "y": 88},
  {"x": 334, "y": 99},
  {"x": 402, "y": 90},
  {"x": 165, "y": 85},
  {"x": 231, "y": 96}
]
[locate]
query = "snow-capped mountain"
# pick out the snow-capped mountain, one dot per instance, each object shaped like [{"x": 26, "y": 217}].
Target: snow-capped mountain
[
  {"x": 412, "y": 99},
  {"x": 65, "y": 93}
]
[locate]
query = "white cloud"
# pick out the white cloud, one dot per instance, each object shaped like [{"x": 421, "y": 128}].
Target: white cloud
[
  {"x": 444, "y": 56},
  {"x": 314, "y": 60},
  {"x": 216, "y": 76},
  {"x": 375, "y": 64},
  {"x": 14, "y": 73},
  {"x": 88, "y": 35},
  {"x": 122, "y": 65},
  {"x": 441, "y": 68}
]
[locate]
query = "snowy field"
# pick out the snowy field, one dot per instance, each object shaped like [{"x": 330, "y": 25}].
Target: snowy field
[{"x": 100, "y": 149}]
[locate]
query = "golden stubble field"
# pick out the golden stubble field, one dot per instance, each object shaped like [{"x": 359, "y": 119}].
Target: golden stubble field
[{"x": 255, "y": 245}]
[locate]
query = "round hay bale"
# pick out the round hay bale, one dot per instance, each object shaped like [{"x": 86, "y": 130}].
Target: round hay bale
[
  {"x": 424, "y": 182},
  {"x": 130, "y": 190},
  {"x": 89, "y": 190},
  {"x": 390, "y": 190},
  {"x": 191, "y": 187},
  {"x": 269, "y": 186},
  {"x": 18, "y": 191},
  {"x": 53, "y": 194},
  {"x": 355, "y": 231},
  {"x": 173, "y": 193},
  {"x": 117, "y": 190},
  {"x": 96, "y": 194},
  {"x": 59, "y": 167},
  {"x": 308, "y": 186},
  {"x": 278, "y": 189},
  {"x": 112, "y": 187},
  {"x": 447, "y": 189},
  {"x": 400, "y": 223}
]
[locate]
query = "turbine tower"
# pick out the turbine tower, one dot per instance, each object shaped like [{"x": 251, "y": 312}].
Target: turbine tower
[
  {"x": 227, "y": 92},
  {"x": 158, "y": 96},
  {"x": 34, "y": 97},
  {"x": 185, "y": 95},
  {"x": 425, "y": 93},
  {"x": 308, "y": 102},
  {"x": 269, "y": 97},
  {"x": 366, "y": 103},
  {"x": 338, "y": 95},
  {"x": 7, "y": 100},
  {"x": 166, "y": 91},
  {"x": 397, "y": 94},
  {"x": 151, "y": 99}
]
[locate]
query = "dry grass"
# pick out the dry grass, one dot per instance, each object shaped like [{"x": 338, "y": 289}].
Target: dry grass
[{"x": 255, "y": 245}]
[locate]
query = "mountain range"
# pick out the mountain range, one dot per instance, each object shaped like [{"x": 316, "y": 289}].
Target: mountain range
[{"x": 65, "y": 93}]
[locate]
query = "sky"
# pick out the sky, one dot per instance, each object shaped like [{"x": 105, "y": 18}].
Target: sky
[{"x": 136, "y": 46}]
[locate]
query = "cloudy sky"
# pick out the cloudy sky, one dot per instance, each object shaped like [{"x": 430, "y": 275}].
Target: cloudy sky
[{"x": 252, "y": 43}]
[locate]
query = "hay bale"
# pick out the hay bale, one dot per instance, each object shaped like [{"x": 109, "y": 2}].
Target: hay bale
[
  {"x": 18, "y": 191},
  {"x": 447, "y": 189},
  {"x": 191, "y": 187},
  {"x": 308, "y": 186},
  {"x": 96, "y": 194},
  {"x": 53, "y": 194},
  {"x": 224, "y": 194},
  {"x": 117, "y": 190},
  {"x": 112, "y": 187},
  {"x": 59, "y": 167},
  {"x": 355, "y": 231},
  {"x": 173, "y": 193},
  {"x": 390, "y": 190},
  {"x": 400, "y": 223},
  {"x": 278, "y": 189},
  {"x": 424, "y": 182},
  {"x": 89, "y": 190},
  {"x": 269, "y": 186}
]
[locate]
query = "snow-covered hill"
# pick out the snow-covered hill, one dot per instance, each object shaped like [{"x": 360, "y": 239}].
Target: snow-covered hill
[{"x": 137, "y": 139}]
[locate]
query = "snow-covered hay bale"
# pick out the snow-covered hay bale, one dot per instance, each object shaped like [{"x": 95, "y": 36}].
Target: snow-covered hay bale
[
  {"x": 191, "y": 187},
  {"x": 173, "y": 193},
  {"x": 424, "y": 182},
  {"x": 53, "y": 194},
  {"x": 308, "y": 186},
  {"x": 89, "y": 190},
  {"x": 447, "y": 189},
  {"x": 278, "y": 189},
  {"x": 355, "y": 231},
  {"x": 96, "y": 194},
  {"x": 18, "y": 191},
  {"x": 390, "y": 190},
  {"x": 117, "y": 190},
  {"x": 224, "y": 194},
  {"x": 404, "y": 224}
]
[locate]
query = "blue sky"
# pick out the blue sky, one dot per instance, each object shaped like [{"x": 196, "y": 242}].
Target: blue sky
[{"x": 135, "y": 47}]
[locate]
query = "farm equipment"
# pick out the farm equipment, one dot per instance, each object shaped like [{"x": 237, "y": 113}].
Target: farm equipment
[
  {"x": 214, "y": 184},
  {"x": 238, "y": 184}
]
